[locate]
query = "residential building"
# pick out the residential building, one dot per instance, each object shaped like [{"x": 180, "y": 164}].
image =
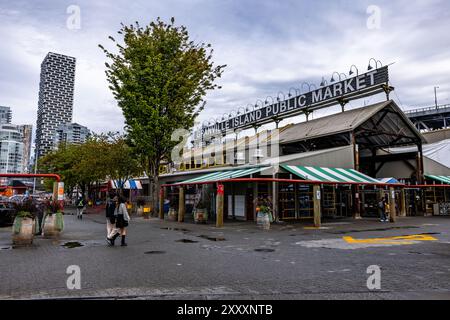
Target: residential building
[
  {"x": 27, "y": 132},
  {"x": 5, "y": 115},
  {"x": 55, "y": 107},
  {"x": 11, "y": 149},
  {"x": 70, "y": 133}
]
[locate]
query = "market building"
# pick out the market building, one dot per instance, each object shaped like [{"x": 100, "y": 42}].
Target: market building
[{"x": 339, "y": 165}]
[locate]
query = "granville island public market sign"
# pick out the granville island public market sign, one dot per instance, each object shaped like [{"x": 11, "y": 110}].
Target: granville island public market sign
[{"x": 357, "y": 87}]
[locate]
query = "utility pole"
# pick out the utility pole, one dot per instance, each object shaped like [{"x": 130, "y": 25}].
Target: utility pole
[
  {"x": 35, "y": 171},
  {"x": 435, "y": 97}
]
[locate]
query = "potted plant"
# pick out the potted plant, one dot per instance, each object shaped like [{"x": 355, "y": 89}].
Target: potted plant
[
  {"x": 200, "y": 212},
  {"x": 24, "y": 226},
  {"x": 264, "y": 213},
  {"x": 53, "y": 220}
]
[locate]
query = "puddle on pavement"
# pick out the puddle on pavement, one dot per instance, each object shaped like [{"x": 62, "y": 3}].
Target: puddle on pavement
[
  {"x": 72, "y": 244},
  {"x": 377, "y": 229},
  {"x": 265, "y": 250},
  {"x": 430, "y": 233},
  {"x": 212, "y": 238},
  {"x": 154, "y": 252},
  {"x": 176, "y": 229},
  {"x": 186, "y": 241}
]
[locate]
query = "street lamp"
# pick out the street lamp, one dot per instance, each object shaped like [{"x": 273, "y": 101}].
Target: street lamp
[
  {"x": 376, "y": 64},
  {"x": 351, "y": 70},
  {"x": 307, "y": 84},
  {"x": 339, "y": 75},
  {"x": 267, "y": 101},
  {"x": 295, "y": 90},
  {"x": 256, "y": 104},
  {"x": 278, "y": 96},
  {"x": 435, "y": 96}
]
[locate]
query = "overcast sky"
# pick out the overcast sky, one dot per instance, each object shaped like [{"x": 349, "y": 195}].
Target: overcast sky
[{"x": 269, "y": 46}]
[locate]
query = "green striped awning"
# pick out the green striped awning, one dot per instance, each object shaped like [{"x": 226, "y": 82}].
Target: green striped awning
[
  {"x": 224, "y": 175},
  {"x": 329, "y": 174},
  {"x": 444, "y": 179}
]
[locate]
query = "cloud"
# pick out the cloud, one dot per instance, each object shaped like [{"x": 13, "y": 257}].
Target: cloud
[{"x": 268, "y": 46}]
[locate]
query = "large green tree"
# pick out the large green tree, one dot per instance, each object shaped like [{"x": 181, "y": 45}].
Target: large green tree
[{"x": 159, "y": 78}]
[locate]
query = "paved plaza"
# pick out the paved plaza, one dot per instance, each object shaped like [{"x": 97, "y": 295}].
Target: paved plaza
[{"x": 170, "y": 260}]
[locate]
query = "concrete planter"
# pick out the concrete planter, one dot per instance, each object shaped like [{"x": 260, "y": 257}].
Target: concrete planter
[
  {"x": 23, "y": 231},
  {"x": 200, "y": 216},
  {"x": 172, "y": 215},
  {"x": 263, "y": 220},
  {"x": 53, "y": 225}
]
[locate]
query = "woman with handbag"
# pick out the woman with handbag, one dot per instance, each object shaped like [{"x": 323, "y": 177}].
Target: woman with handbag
[{"x": 122, "y": 220}]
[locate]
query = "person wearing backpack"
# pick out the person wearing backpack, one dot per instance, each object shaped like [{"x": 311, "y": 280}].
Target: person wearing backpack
[
  {"x": 81, "y": 204},
  {"x": 122, "y": 220}
]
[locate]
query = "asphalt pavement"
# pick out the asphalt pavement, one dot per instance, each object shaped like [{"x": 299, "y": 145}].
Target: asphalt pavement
[{"x": 171, "y": 260}]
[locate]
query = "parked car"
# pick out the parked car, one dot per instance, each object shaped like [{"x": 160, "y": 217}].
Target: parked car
[
  {"x": 6, "y": 214},
  {"x": 16, "y": 198}
]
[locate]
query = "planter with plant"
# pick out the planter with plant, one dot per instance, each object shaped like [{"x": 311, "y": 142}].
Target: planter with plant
[
  {"x": 53, "y": 220},
  {"x": 24, "y": 226},
  {"x": 264, "y": 213}
]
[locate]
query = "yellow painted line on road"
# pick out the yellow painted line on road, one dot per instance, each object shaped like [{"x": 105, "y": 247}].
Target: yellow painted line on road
[{"x": 392, "y": 240}]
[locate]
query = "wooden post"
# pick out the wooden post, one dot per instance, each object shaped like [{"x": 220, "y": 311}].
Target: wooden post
[
  {"x": 403, "y": 203},
  {"x": 392, "y": 211},
  {"x": 317, "y": 209},
  {"x": 181, "y": 205},
  {"x": 275, "y": 200},
  {"x": 161, "y": 203},
  {"x": 219, "y": 205},
  {"x": 356, "y": 202}
]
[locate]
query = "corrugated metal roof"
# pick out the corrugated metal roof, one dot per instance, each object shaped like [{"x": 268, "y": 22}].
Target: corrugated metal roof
[
  {"x": 332, "y": 124},
  {"x": 348, "y": 121},
  {"x": 329, "y": 174}
]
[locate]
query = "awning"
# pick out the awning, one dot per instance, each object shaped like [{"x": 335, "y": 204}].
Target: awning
[
  {"x": 224, "y": 175},
  {"x": 129, "y": 184},
  {"x": 444, "y": 179},
  {"x": 389, "y": 180},
  {"x": 329, "y": 174}
]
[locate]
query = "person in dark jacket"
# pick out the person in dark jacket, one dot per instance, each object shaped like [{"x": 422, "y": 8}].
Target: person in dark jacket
[
  {"x": 122, "y": 220},
  {"x": 111, "y": 204}
]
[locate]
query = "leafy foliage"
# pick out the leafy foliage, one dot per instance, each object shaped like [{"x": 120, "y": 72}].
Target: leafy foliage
[
  {"x": 26, "y": 208},
  {"x": 104, "y": 156},
  {"x": 159, "y": 78}
]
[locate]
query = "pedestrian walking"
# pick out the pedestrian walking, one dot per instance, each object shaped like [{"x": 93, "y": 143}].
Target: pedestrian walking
[
  {"x": 387, "y": 210},
  {"x": 381, "y": 210},
  {"x": 122, "y": 221},
  {"x": 81, "y": 204},
  {"x": 111, "y": 204}
]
